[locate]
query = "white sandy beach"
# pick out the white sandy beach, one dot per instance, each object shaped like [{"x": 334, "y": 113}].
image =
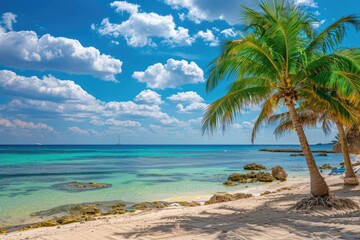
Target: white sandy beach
[{"x": 259, "y": 217}]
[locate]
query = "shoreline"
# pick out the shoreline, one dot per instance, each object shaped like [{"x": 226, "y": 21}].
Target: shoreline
[
  {"x": 257, "y": 190},
  {"x": 145, "y": 224}
]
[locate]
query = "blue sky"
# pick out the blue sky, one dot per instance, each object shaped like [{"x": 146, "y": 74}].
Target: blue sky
[{"x": 77, "y": 71}]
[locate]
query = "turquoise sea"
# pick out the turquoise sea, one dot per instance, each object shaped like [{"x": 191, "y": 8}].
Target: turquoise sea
[{"x": 29, "y": 174}]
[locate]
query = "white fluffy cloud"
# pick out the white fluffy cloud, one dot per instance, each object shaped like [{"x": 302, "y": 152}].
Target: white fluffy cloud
[
  {"x": 200, "y": 10},
  {"x": 229, "y": 32},
  {"x": 170, "y": 75},
  {"x": 116, "y": 123},
  {"x": 48, "y": 88},
  {"x": 8, "y": 19},
  {"x": 189, "y": 96},
  {"x": 64, "y": 99},
  {"x": 80, "y": 131},
  {"x": 192, "y": 107},
  {"x": 208, "y": 37},
  {"x": 245, "y": 125},
  {"x": 307, "y": 3},
  {"x": 122, "y": 6},
  {"x": 148, "y": 97},
  {"x": 316, "y": 25},
  {"x": 248, "y": 125},
  {"x": 194, "y": 102},
  {"x": 141, "y": 28},
  {"x": 18, "y": 124},
  {"x": 25, "y": 49}
]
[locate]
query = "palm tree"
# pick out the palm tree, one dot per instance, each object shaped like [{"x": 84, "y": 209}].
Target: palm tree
[
  {"x": 323, "y": 115},
  {"x": 275, "y": 64}
]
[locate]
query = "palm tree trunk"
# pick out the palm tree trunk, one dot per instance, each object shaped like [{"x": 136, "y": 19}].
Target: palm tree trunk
[
  {"x": 350, "y": 177},
  {"x": 318, "y": 186}
]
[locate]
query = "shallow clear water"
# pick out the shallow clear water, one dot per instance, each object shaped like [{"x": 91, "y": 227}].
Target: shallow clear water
[{"x": 137, "y": 173}]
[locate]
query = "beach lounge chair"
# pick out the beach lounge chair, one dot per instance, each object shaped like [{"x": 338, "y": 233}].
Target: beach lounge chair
[{"x": 339, "y": 171}]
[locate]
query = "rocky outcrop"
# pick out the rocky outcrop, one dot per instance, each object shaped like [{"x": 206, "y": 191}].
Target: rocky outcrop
[
  {"x": 296, "y": 155},
  {"x": 279, "y": 173},
  {"x": 265, "y": 177},
  {"x": 254, "y": 177},
  {"x": 226, "y": 197},
  {"x": 3, "y": 231},
  {"x": 293, "y": 150},
  {"x": 149, "y": 205},
  {"x": 327, "y": 166},
  {"x": 189, "y": 204},
  {"x": 84, "y": 210},
  {"x": 321, "y": 155},
  {"x": 254, "y": 166},
  {"x": 237, "y": 177},
  {"x": 80, "y": 186},
  {"x": 229, "y": 183}
]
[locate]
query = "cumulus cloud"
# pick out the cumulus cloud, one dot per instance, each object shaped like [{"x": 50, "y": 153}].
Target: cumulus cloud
[
  {"x": 64, "y": 99},
  {"x": 192, "y": 107},
  {"x": 189, "y": 96},
  {"x": 141, "y": 28},
  {"x": 248, "y": 125},
  {"x": 316, "y": 25},
  {"x": 116, "y": 123},
  {"x": 307, "y": 3},
  {"x": 25, "y": 49},
  {"x": 170, "y": 75},
  {"x": 122, "y": 6},
  {"x": 148, "y": 97},
  {"x": 80, "y": 131},
  {"x": 208, "y": 37},
  {"x": 132, "y": 108},
  {"x": 194, "y": 102},
  {"x": 8, "y": 19},
  {"x": 47, "y": 88},
  {"x": 229, "y": 32},
  {"x": 19, "y": 124},
  {"x": 210, "y": 10}
]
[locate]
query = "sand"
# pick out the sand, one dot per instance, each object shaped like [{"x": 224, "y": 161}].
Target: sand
[{"x": 260, "y": 217}]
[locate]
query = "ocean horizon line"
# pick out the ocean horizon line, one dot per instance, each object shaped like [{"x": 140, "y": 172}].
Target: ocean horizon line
[{"x": 178, "y": 144}]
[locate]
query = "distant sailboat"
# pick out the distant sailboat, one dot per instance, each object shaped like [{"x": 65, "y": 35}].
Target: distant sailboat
[{"x": 119, "y": 142}]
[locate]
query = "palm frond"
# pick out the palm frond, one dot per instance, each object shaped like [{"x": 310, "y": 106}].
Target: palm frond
[
  {"x": 334, "y": 34},
  {"x": 224, "y": 110},
  {"x": 267, "y": 110}
]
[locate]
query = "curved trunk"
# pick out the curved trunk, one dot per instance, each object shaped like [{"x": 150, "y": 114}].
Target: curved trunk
[
  {"x": 318, "y": 186},
  {"x": 350, "y": 177}
]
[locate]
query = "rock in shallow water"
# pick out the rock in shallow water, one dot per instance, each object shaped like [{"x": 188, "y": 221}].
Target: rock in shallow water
[
  {"x": 265, "y": 177},
  {"x": 252, "y": 177},
  {"x": 80, "y": 186},
  {"x": 279, "y": 173},
  {"x": 84, "y": 209},
  {"x": 237, "y": 177},
  {"x": 254, "y": 166},
  {"x": 327, "y": 166},
  {"x": 229, "y": 183}
]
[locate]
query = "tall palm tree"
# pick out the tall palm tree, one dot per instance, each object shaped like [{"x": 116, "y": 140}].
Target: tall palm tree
[
  {"x": 275, "y": 64},
  {"x": 323, "y": 113}
]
